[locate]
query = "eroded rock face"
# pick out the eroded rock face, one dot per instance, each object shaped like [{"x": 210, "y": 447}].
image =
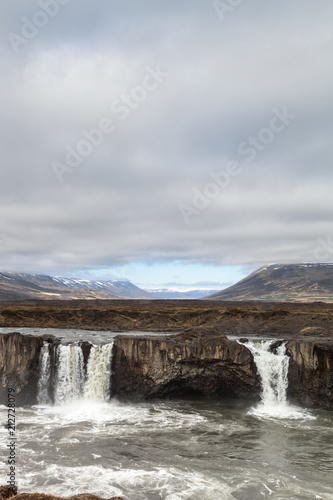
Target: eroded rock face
[
  {"x": 19, "y": 358},
  {"x": 311, "y": 373},
  {"x": 187, "y": 364},
  {"x": 197, "y": 362}
]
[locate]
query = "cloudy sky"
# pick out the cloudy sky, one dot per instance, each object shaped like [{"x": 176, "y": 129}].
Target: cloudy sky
[{"x": 181, "y": 142}]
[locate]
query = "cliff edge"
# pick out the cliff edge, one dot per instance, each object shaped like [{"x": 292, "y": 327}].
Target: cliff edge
[{"x": 197, "y": 362}]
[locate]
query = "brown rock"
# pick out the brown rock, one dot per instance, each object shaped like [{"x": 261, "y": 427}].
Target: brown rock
[
  {"x": 200, "y": 364},
  {"x": 42, "y": 496},
  {"x": 7, "y": 492},
  {"x": 311, "y": 372},
  {"x": 314, "y": 330},
  {"x": 19, "y": 358}
]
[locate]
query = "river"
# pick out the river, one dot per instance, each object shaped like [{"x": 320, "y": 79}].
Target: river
[{"x": 180, "y": 449}]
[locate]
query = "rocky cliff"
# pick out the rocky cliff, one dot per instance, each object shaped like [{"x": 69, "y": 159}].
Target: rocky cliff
[
  {"x": 188, "y": 364},
  {"x": 19, "y": 360},
  {"x": 311, "y": 373},
  {"x": 193, "y": 363}
]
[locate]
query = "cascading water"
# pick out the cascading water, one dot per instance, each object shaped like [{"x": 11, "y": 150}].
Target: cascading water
[
  {"x": 44, "y": 375},
  {"x": 272, "y": 366},
  {"x": 72, "y": 381},
  {"x": 70, "y": 374},
  {"x": 97, "y": 386},
  {"x": 273, "y": 371}
]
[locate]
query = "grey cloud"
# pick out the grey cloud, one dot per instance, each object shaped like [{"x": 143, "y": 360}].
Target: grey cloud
[{"x": 122, "y": 202}]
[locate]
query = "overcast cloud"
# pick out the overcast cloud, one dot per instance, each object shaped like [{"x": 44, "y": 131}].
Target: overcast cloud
[{"x": 199, "y": 86}]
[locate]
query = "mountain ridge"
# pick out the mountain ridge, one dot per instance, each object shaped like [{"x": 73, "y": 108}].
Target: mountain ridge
[
  {"x": 283, "y": 282},
  {"x": 24, "y": 286}
]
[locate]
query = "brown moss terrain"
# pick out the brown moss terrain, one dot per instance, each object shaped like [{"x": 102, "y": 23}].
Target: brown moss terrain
[{"x": 238, "y": 318}]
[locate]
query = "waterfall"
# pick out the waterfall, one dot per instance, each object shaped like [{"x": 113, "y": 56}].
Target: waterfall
[
  {"x": 72, "y": 381},
  {"x": 273, "y": 368},
  {"x": 44, "y": 375},
  {"x": 70, "y": 374},
  {"x": 97, "y": 385},
  {"x": 273, "y": 371}
]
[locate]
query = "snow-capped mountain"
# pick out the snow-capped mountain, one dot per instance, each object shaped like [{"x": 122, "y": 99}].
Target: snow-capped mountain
[{"x": 21, "y": 286}]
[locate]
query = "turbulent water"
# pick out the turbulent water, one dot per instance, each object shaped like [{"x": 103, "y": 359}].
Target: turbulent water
[{"x": 175, "y": 450}]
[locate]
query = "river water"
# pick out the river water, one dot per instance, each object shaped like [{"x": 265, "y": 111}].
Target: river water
[{"x": 181, "y": 449}]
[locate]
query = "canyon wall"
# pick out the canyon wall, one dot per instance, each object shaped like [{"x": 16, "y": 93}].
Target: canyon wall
[
  {"x": 311, "y": 373},
  {"x": 19, "y": 362},
  {"x": 187, "y": 364},
  {"x": 192, "y": 363}
]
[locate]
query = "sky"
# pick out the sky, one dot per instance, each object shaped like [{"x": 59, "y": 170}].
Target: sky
[{"x": 180, "y": 144}]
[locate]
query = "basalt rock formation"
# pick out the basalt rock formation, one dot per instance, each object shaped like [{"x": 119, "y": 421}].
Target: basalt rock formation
[
  {"x": 19, "y": 360},
  {"x": 311, "y": 373},
  {"x": 197, "y": 362}
]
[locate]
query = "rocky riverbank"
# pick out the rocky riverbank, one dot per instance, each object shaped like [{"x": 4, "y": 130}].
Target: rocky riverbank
[{"x": 7, "y": 492}]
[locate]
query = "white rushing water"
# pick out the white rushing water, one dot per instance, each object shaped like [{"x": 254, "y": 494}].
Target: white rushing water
[
  {"x": 97, "y": 386},
  {"x": 72, "y": 382},
  {"x": 70, "y": 374},
  {"x": 44, "y": 375},
  {"x": 273, "y": 368},
  {"x": 170, "y": 450}
]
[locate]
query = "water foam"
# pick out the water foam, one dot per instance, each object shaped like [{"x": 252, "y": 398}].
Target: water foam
[
  {"x": 172, "y": 450},
  {"x": 166, "y": 483}
]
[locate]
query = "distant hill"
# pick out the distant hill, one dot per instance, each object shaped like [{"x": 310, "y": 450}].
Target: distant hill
[
  {"x": 166, "y": 293},
  {"x": 21, "y": 286},
  {"x": 288, "y": 282}
]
